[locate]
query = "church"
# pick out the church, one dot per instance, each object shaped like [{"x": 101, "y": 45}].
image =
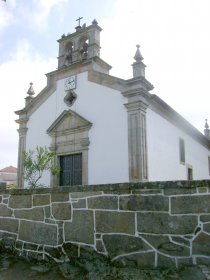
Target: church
[{"x": 104, "y": 129}]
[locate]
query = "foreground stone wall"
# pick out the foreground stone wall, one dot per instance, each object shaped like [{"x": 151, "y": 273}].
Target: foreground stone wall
[{"x": 139, "y": 225}]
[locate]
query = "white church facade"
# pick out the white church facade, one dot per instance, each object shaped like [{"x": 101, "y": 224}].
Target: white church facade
[{"x": 104, "y": 129}]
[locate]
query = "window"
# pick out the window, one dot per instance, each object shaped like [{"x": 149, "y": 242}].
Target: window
[
  {"x": 189, "y": 174},
  {"x": 84, "y": 44},
  {"x": 68, "y": 53},
  {"x": 71, "y": 170},
  {"x": 181, "y": 151}
]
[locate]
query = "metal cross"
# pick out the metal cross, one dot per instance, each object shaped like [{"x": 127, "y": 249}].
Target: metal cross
[{"x": 79, "y": 20}]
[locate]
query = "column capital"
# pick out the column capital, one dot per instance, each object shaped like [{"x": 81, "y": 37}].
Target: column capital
[{"x": 137, "y": 106}]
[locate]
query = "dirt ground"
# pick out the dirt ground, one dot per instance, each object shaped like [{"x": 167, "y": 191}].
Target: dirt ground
[{"x": 13, "y": 268}]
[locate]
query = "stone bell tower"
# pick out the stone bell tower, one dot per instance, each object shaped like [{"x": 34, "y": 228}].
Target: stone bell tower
[{"x": 81, "y": 45}]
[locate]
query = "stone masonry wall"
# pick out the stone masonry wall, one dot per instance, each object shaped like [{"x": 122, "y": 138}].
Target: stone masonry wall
[{"x": 139, "y": 225}]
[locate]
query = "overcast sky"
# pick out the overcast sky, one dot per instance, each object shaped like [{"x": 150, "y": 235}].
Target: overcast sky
[{"x": 174, "y": 36}]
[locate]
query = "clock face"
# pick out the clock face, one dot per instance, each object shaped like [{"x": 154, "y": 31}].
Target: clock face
[{"x": 70, "y": 83}]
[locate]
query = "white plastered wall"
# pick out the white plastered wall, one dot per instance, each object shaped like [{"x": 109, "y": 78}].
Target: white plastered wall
[
  {"x": 163, "y": 151},
  {"x": 104, "y": 108}
]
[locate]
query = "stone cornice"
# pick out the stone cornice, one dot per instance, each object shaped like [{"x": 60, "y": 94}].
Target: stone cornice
[
  {"x": 159, "y": 106},
  {"x": 139, "y": 92},
  {"x": 124, "y": 86},
  {"x": 136, "y": 105},
  {"x": 135, "y": 87},
  {"x": 37, "y": 101},
  {"x": 62, "y": 73},
  {"x": 23, "y": 118},
  {"x": 106, "y": 80},
  {"x": 20, "y": 112},
  {"x": 102, "y": 63},
  {"x": 82, "y": 125},
  {"x": 69, "y": 131},
  {"x": 79, "y": 32},
  {"x": 140, "y": 81},
  {"x": 162, "y": 108},
  {"x": 79, "y": 67},
  {"x": 94, "y": 76}
]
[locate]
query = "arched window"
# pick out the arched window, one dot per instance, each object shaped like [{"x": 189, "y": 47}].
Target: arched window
[
  {"x": 68, "y": 53},
  {"x": 84, "y": 43}
]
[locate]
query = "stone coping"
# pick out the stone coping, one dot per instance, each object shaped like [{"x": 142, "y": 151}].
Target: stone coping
[{"x": 111, "y": 187}]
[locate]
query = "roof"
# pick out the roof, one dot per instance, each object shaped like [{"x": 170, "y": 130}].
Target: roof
[
  {"x": 162, "y": 108},
  {"x": 9, "y": 169}
]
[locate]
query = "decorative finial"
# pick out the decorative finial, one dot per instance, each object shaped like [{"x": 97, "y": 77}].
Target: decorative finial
[
  {"x": 138, "y": 57},
  {"x": 206, "y": 124},
  {"x": 207, "y": 130},
  {"x": 30, "y": 91},
  {"x": 94, "y": 22},
  {"x": 138, "y": 65}
]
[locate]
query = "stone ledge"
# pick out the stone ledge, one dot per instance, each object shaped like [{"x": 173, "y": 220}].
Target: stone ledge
[{"x": 114, "y": 187}]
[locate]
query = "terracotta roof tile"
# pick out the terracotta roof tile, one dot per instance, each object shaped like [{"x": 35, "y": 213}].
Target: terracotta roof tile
[{"x": 9, "y": 169}]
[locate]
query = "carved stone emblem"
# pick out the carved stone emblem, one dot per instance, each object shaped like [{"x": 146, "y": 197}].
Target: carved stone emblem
[{"x": 70, "y": 98}]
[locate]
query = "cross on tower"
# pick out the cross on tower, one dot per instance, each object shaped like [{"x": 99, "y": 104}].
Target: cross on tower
[{"x": 79, "y": 20}]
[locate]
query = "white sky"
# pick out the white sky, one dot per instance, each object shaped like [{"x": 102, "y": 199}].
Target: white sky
[{"x": 175, "y": 42}]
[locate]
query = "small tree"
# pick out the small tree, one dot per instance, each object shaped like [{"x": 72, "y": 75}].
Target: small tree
[{"x": 35, "y": 163}]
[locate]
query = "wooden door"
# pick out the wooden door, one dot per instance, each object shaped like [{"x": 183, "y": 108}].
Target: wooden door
[{"x": 71, "y": 170}]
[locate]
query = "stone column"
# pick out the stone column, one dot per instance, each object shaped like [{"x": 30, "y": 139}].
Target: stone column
[{"x": 137, "y": 141}]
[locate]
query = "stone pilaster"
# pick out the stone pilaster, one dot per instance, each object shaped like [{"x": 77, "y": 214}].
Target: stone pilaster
[
  {"x": 138, "y": 100},
  {"x": 21, "y": 147},
  {"x": 137, "y": 141}
]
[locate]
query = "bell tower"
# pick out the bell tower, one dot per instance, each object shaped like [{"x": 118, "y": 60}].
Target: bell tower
[{"x": 81, "y": 45}]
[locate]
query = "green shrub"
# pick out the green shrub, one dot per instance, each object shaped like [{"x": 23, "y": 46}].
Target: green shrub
[{"x": 35, "y": 163}]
